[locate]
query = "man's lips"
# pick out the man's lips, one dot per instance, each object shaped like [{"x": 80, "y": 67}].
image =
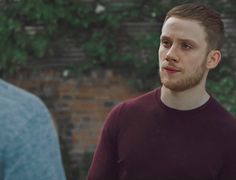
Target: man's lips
[{"x": 171, "y": 69}]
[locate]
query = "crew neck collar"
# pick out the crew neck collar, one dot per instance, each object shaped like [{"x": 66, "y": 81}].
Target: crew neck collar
[{"x": 170, "y": 109}]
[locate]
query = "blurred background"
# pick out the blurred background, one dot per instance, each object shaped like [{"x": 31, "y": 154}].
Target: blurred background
[{"x": 83, "y": 57}]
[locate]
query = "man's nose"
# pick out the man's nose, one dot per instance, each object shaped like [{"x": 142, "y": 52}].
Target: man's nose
[{"x": 172, "y": 54}]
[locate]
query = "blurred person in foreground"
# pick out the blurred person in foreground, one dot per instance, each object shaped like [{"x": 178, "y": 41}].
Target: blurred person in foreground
[
  {"x": 29, "y": 148},
  {"x": 178, "y": 131}
]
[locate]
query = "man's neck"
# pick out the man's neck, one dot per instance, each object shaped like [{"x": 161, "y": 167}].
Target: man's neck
[{"x": 184, "y": 100}]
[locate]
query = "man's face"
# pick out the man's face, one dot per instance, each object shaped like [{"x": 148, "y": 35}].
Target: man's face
[{"x": 182, "y": 54}]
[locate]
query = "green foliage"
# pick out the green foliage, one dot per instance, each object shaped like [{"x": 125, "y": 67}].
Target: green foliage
[
  {"x": 222, "y": 86},
  {"x": 32, "y": 29}
]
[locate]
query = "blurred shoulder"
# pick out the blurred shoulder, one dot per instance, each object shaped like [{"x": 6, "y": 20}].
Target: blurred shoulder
[
  {"x": 15, "y": 97},
  {"x": 20, "y": 109}
]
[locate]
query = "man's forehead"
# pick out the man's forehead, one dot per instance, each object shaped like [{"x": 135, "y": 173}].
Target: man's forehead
[{"x": 183, "y": 29}]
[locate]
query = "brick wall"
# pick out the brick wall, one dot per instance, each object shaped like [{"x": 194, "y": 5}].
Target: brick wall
[{"x": 78, "y": 105}]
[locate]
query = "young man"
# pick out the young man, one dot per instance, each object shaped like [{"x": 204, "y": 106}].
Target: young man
[
  {"x": 179, "y": 131},
  {"x": 29, "y": 148}
]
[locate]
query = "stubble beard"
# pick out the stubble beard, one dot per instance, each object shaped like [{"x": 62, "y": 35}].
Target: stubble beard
[{"x": 184, "y": 83}]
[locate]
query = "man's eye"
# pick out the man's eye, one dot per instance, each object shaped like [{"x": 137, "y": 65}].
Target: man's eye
[
  {"x": 186, "y": 46},
  {"x": 166, "y": 43}
]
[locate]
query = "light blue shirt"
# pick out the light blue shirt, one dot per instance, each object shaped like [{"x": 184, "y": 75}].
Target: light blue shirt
[{"x": 29, "y": 148}]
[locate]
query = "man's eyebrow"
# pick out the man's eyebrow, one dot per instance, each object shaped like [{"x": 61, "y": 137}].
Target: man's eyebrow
[
  {"x": 188, "y": 40},
  {"x": 164, "y": 37},
  {"x": 179, "y": 39}
]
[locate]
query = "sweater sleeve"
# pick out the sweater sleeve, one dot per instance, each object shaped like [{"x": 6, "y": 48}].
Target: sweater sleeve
[
  {"x": 33, "y": 151},
  {"x": 104, "y": 164}
]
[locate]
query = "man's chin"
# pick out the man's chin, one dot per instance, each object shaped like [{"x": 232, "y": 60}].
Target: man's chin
[
  {"x": 179, "y": 87},
  {"x": 176, "y": 87}
]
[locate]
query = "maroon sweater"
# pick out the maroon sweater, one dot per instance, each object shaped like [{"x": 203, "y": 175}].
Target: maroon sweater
[{"x": 145, "y": 140}]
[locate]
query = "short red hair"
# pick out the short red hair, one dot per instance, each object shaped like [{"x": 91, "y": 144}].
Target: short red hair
[{"x": 209, "y": 19}]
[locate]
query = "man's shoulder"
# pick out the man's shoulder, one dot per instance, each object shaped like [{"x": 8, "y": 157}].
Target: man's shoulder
[
  {"x": 220, "y": 112},
  {"x": 13, "y": 96},
  {"x": 143, "y": 98},
  {"x": 18, "y": 108},
  {"x": 142, "y": 103},
  {"x": 221, "y": 117},
  {"x": 26, "y": 132}
]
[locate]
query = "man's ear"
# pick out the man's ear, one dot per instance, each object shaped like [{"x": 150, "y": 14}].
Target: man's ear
[{"x": 213, "y": 59}]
